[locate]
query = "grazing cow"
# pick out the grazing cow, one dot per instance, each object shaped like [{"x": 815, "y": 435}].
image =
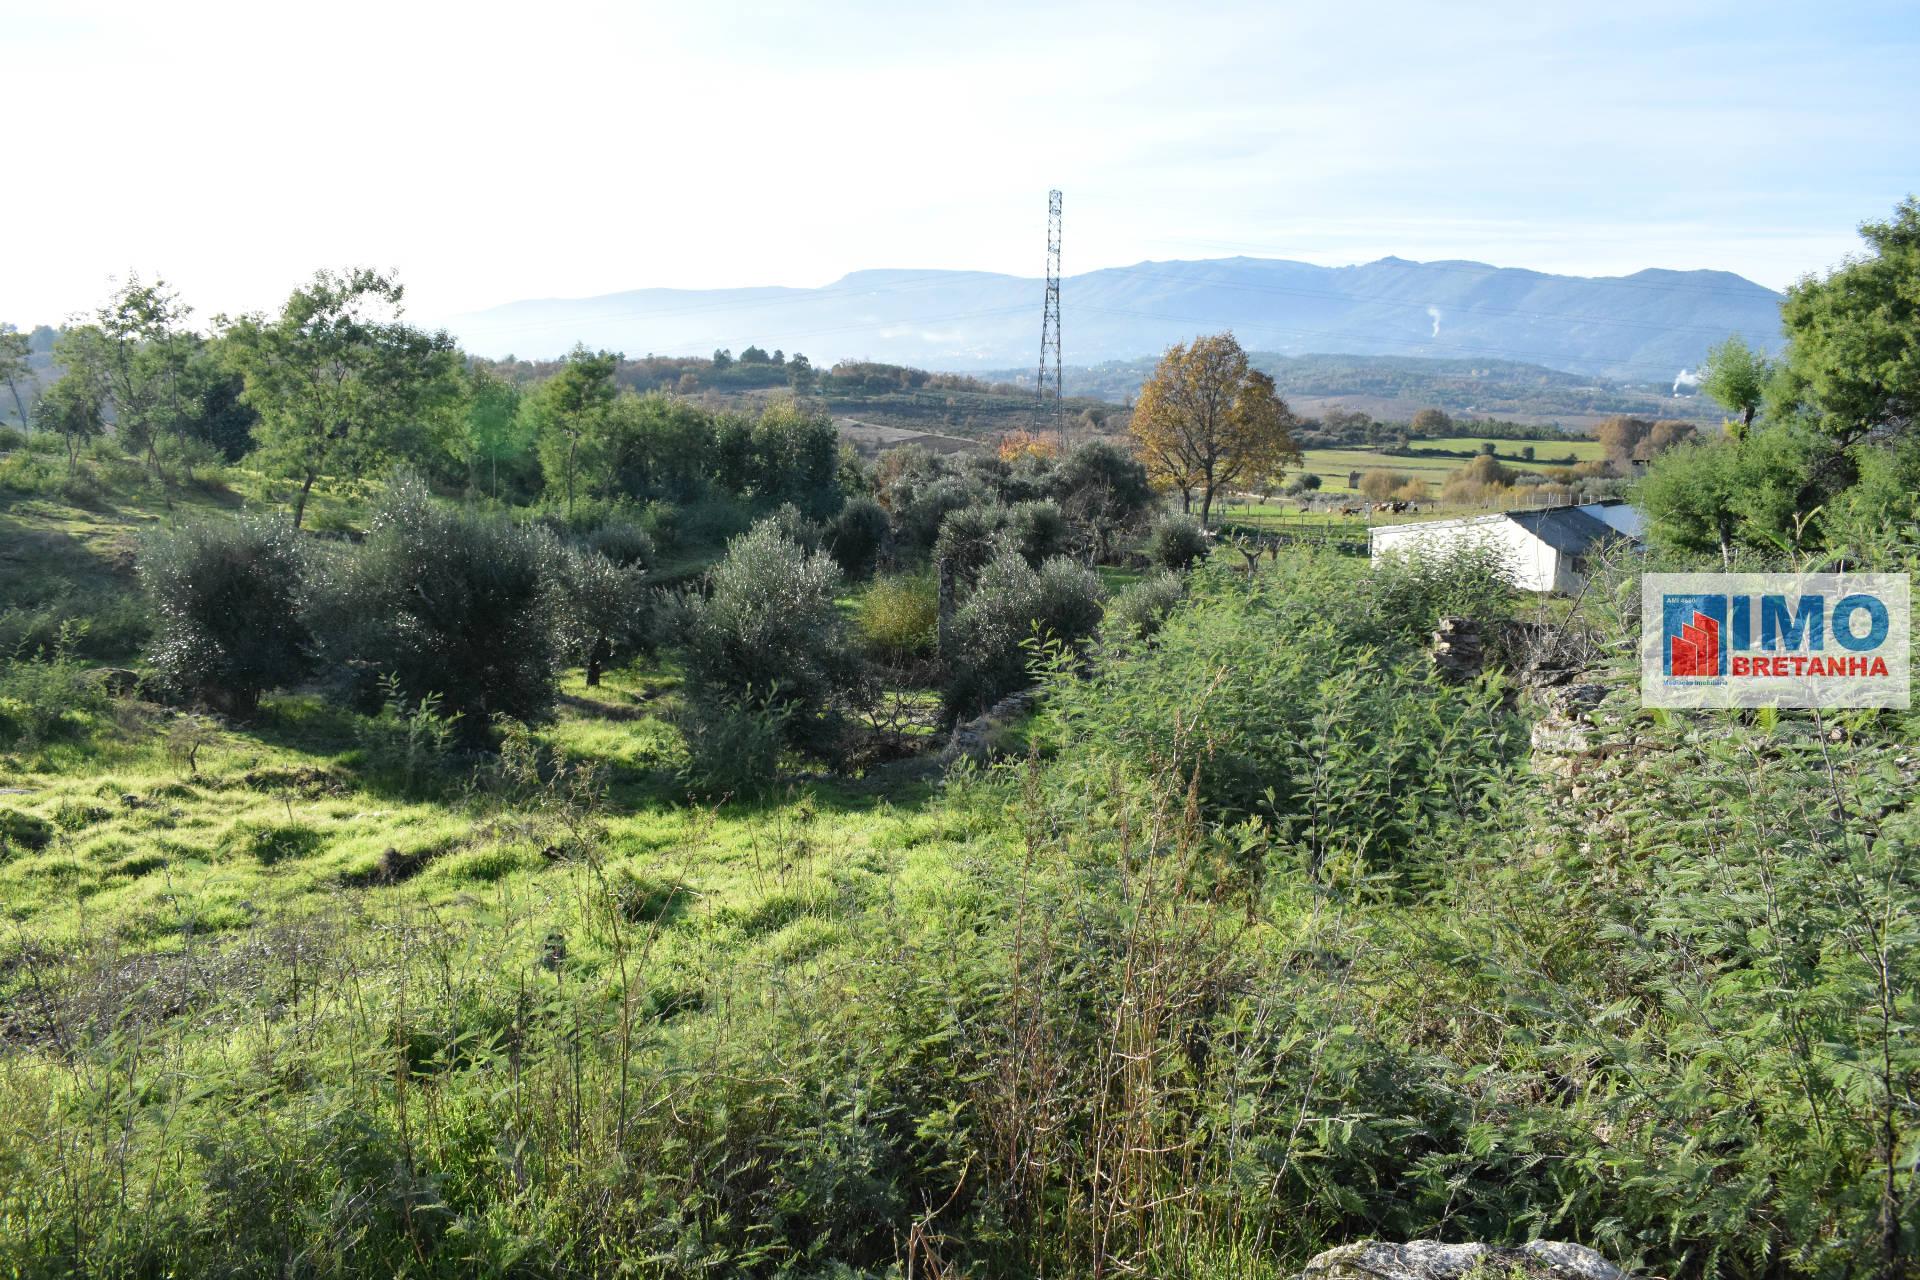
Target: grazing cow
[{"x": 1350, "y": 511}]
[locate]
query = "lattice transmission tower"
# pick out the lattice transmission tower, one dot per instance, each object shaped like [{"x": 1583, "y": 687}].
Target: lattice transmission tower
[{"x": 1052, "y": 416}]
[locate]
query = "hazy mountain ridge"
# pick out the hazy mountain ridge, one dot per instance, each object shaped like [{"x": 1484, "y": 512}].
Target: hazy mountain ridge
[
  {"x": 1394, "y": 387},
  {"x": 1641, "y": 328}
]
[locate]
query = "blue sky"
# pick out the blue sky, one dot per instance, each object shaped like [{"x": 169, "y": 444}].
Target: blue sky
[{"x": 496, "y": 151}]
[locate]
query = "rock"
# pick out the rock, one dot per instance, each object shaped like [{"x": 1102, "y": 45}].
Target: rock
[
  {"x": 980, "y": 737},
  {"x": 1459, "y": 652},
  {"x": 1431, "y": 1260}
]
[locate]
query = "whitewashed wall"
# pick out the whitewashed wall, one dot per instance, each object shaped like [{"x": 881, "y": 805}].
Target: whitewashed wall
[{"x": 1536, "y": 566}]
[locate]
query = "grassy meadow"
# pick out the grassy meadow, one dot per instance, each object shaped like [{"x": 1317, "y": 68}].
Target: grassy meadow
[
  {"x": 1235, "y": 949},
  {"x": 553, "y": 819},
  {"x": 1434, "y": 460}
]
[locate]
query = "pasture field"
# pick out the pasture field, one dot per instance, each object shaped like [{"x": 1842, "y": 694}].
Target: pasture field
[
  {"x": 1334, "y": 466},
  {"x": 1545, "y": 451}
]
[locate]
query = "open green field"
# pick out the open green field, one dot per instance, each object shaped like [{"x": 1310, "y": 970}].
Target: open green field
[
  {"x": 1335, "y": 466},
  {"x": 1510, "y": 450}
]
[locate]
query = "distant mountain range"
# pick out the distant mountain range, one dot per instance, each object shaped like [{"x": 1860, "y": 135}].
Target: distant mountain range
[
  {"x": 1644, "y": 328},
  {"x": 1394, "y": 388}
]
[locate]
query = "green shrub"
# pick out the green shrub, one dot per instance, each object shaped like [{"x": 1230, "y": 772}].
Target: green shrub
[
  {"x": 48, "y": 693},
  {"x": 624, "y": 543},
  {"x": 1474, "y": 579},
  {"x": 898, "y": 617},
  {"x": 1177, "y": 542},
  {"x": 229, "y": 598},
  {"x": 409, "y": 740},
  {"x": 990, "y": 649},
  {"x": 733, "y": 745},
  {"x": 452, "y": 603},
  {"x": 857, "y": 535},
  {"x": 1311, "y": 704},
  {"x": 1140, "y": 610},
  {"x": 1038, "y": 531},
  {"x": 769, "y": 632},
  {"x": 273, "y": 842}
]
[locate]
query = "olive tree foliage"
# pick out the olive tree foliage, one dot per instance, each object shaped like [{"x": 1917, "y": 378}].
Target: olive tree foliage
[
  {"x": 858, "y": 535},
  {"x": 769, "y": 634},
  {"x": 1177, "y": 542},
  {"x": 1139, "y": 612},
  {"x": 1103, "y": 491},
  {"x": 604, "y": 609},
  {"x": 230, "y": 610},
  {"x": 338, "y": 379},
  {"x": 452, "y": 603},
  {"x": 992, "y": 645}
]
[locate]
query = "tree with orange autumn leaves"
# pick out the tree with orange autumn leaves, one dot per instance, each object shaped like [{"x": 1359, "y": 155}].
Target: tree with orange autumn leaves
[{"x": 1207, "y": 420}]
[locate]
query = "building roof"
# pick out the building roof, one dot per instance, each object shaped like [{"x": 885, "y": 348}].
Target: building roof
[{"x": 1568, "y": 530}]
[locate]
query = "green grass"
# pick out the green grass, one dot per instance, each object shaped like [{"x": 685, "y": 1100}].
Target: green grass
[
  {"x": 294, "y": 1012},
  {"x": 1509, "y": 450},
  {"x": 1333, "y": 466}
]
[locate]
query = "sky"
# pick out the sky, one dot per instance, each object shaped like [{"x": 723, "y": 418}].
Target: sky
[{"x": 493, "y": 152}]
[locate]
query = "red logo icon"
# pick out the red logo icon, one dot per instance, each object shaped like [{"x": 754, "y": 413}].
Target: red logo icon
[{"x": 1696, "y": 650}]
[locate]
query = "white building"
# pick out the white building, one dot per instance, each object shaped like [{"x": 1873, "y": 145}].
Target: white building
[{"x": 1547, "y": 547}]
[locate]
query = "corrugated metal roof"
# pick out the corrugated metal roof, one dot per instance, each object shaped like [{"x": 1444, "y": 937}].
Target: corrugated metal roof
[{"x": 1568, "y": 530}]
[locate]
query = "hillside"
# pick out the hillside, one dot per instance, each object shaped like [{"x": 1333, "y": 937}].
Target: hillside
[
  {"x": 1394, "y": 388},
  {"x": 1330, "y": 964},
  {"x": 1645, "y": 327}
]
